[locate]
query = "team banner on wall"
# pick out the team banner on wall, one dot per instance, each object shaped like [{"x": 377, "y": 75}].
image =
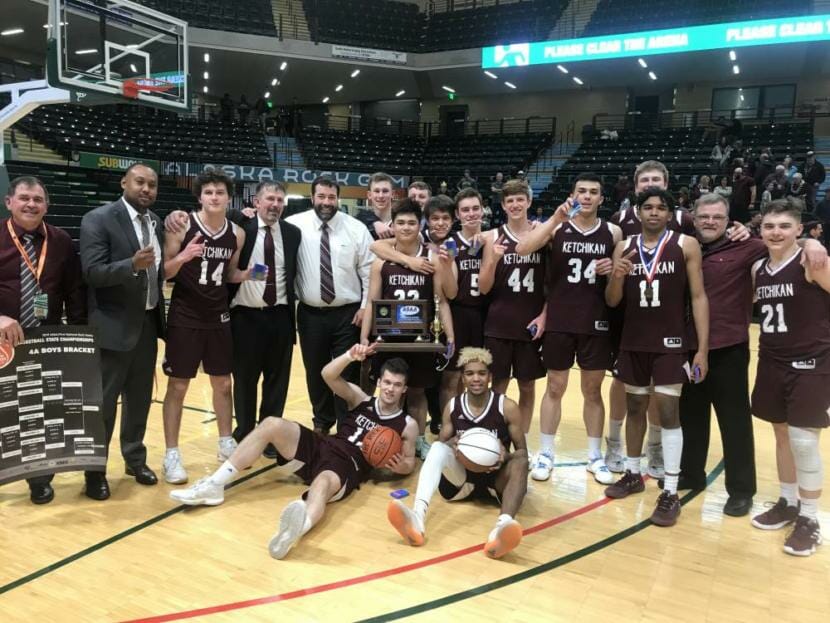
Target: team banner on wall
[
  {"x": 108, "y": 161},
  {"x": 368, "y": 54},
  {"x": 669, "y": 41},
  {"x": 50, "y": 404}
]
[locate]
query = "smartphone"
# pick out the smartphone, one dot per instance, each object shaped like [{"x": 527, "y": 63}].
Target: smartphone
[
  {"x": 399, "y": 493},
  {"x": 533, "y": 329}
]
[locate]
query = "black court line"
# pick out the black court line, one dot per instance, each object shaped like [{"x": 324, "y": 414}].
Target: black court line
[
  {"x": 117, "y": 537},
  {"x": 529, "y": 573}
]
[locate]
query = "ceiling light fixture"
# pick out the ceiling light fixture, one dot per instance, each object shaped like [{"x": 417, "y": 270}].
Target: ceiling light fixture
[
  {"x": 206, "y": 76},
  {"x": 207, "y": 57},
  {"x": 274, "y": 82},
  {"x": 204, "y": 89},
  {"x": 267, "y": 94},
  {"x": 577, "y": 80},
  {"x": 510, "y": 84},
  {"x": 491, "y": 75},
  {"x": 355, "y": 73},
  {"x": 652, "y": 75},
  {"x": 736, "y": 70},
  {"x": 732, "y": 56},
  {"x": 643, "y": 64},
  {"x": 326, "y": 100},
  {"x": 338, "y": 88},
  {"x": 562, "y": 69},
  {"x": 283, "y": 66},
  {"x": 11, "y": 31},
  {"x": 399, "y": 93},
  {"x": 448, "y": 89},
  {"x": 90, "y": 51},
  {"x": 133, "y": 68}
]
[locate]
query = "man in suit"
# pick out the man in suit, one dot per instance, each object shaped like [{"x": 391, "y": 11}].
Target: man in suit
[
  {"x": 121, "y": 251},
  {"x": 40, "y": 279},
  {"x": 262, "y": 311}
]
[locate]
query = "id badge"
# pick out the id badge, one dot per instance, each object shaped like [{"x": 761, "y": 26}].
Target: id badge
[{"x": 41, "y": 305}]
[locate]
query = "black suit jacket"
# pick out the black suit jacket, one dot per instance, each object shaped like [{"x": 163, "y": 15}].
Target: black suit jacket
[
  {"x": 117, "y": 295},
  {"x": 291, "y": 243}
]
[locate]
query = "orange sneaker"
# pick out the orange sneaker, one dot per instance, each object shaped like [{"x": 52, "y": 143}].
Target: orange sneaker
[
  {"x": 409, "y": 525},
  {"x": 503, "y": 539}
]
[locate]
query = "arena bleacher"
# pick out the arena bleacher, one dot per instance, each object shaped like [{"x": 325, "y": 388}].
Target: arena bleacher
[{"x": 252, "y": 16}]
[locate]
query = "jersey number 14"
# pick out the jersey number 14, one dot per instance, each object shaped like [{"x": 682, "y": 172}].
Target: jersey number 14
[{"x": 215, "y": 277}]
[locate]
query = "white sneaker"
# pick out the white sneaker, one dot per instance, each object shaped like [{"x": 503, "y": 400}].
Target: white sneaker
[
  {"x": 422, "y": 447},
  {"x": 542, "y": 466},
  {"x": 226, "y": 448},
  {"x": 292, "y": 521},
  {"x": 203, "y": 492},
  {"x": 614, "y": 459},
  {"x": 654, "y": 454},
  {"x": 503, "y": 538},
  {"x": 173, "y": 469},
  {"x": 406, "y": 521},
  {"x": 601, "y": 472}
]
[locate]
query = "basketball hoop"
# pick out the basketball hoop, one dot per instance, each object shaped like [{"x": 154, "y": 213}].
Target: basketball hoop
[{"x": 132, "y": 87}]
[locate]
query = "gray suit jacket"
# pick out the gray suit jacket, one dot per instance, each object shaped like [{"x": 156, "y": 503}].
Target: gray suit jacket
[{"x": 117, "y": 295}]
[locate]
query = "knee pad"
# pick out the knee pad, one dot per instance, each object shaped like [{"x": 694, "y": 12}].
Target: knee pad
[{"x": 807, "y": 457}]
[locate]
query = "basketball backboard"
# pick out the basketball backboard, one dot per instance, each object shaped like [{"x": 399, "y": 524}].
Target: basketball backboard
[{"x": 105, "y": 50}]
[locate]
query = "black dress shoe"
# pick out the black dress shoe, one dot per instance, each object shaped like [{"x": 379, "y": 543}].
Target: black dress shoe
[
  {"x": 737, "y": 506},
  {"x": 97, "y": 486},
  {"x": 41, "y": 494},
  {"x": 143, "y": 475},
  {"x": 270, "y": 452}
]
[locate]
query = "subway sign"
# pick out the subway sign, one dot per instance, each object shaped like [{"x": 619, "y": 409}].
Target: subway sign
[{"x": 669, "y": 41}]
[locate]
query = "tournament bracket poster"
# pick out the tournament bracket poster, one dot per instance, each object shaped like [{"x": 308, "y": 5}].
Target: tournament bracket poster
[{"x": 50, "y": 404}]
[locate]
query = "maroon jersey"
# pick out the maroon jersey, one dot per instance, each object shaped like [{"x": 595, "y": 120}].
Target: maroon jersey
[
  {"x": 655, "y": 317},
  {"x": 399, "y": 282},
  {"x": 629, "y": 222},
  {"x": 518, "y": 293},
  {"x": 200, "y": 297},
  {"x": 576, "y": 298},
  {"x": 468, "y": 266},
  {"x": 359, "y": 421},
  {"x": 492, "y": 418},
  {"x": 795, "y": 317}
]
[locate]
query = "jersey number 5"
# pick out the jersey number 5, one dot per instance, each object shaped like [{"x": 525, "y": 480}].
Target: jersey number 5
[
  {"x": 516, "y": 282},
  {"x": 216, "y": 277}
]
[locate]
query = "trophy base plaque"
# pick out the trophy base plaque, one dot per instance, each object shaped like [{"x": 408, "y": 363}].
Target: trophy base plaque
[
  {"x": 409, "y": 347},
  {"x": 403, "y": 326}
]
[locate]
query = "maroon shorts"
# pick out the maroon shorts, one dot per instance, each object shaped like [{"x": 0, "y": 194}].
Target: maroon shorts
[
  {"x": 515, "y": 359},
  {"x": 646, "y": 369},
  {"x": 187, "y": 348},
  {"x": 592, "y": 352},
  {"x": 477, "y": 486},
  {"x": 422, "y": 371},
  {"x": 468, "y": 325},
  {"x": 784, "y": 395},
  {"x": 316, "y": 454}
]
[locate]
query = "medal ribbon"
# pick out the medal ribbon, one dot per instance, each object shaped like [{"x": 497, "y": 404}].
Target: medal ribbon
[
  {"x": 650, "y": 266},
  {"x": 41, "y": 262}
]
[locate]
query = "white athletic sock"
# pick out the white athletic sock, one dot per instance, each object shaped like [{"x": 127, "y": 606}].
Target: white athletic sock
[
  {"x": 224, "y": 474},
  {"x": 307, "y": 525},
  {"x": 615, "y": 430},
  {"x": 594, "y": 448},
  {"x": 546, "y": 443},
  {"x": 789, "y": 491},
  {"x": 632, "y": 464},
  {"x": 503, "y": 519},
  {"x": 672, "y": 439},
  {"x": 224, "y": 438},
  {"x": 430, "y": 475},
  {"x": 171, "y": 451},
  {"x": 654, "y": 435},
  {"x": 809, "y": 508}
]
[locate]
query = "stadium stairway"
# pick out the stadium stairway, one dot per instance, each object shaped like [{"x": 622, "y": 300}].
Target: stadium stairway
[
  {"x": 284, "y": 152},
  {"x": 821, "y": 145},
  {"x": 541, "y": 172},
  {"x": 29, "y": 149},
  {"x": 293, "y": 17},
  {"x": 571, "y": 24}
]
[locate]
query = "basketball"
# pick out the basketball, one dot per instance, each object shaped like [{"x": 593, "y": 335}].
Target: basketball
[
  {"x": 478, "y": 449},
  {"x": 380, "y": 444}
]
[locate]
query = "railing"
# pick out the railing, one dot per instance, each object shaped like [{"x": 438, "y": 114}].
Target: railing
[
  {"x": 637, "y": 120},
  {"x": 567, "y": 136},
  {"x": 436, "y": 128}
]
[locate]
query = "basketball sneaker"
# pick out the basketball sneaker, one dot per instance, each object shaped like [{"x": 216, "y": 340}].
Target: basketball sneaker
[
  {"x": 406, "y": 521},
  {"x": 292, "y": 522},
  {"x": 600, "y": 471},
  {"x": 614, "y": 459},
  {"x": 804, "y": 538},
  {"x": 654, "y": 461},
  {"x": 226, "y": 448},
  {"x": 667, "y": 511},
  {"x": 625, "y": 486},
  {"x": 542, "y": 466},
  {"x": 204, "y": 492},
  {"x": 778, "y": 516},
  {"x": 173, "y": 469},
  {"x": 422, "y": 447},
  {"x": 504, "y": 538}
]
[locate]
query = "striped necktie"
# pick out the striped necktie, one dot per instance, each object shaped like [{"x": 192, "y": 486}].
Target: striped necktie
[
  {"x": 326, "y": 277},
  {"x": 152, "y": 272},
  {"x": 28, "y": 285}
]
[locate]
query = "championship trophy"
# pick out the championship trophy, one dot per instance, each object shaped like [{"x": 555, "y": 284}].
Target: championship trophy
[{"x": 402, "y": 326}]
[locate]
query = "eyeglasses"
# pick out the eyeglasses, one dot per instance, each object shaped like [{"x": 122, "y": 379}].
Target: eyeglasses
[{"x": 718, "y": 218}]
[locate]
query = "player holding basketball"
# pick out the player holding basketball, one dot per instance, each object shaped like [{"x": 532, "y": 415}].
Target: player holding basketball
[
  {"x": 653, "y": 272},
  {"x": 390, "y": 280},
  {"x": 792, "y": 383},
  {"x": 577, "y": 317},
  {"x": 332, "y": 466},
  {"x": 478, "y": 406},
  {"x": 515, "y": 320},
  {"x": 200, "y": 260}
]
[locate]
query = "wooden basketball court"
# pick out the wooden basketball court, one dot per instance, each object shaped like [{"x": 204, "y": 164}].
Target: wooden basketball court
[{"x": 139, "y": 556}]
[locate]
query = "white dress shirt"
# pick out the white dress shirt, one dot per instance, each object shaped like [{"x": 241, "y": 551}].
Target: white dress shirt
[
  {"x": 251, "y": 291},
  {"x": 135, "y": 219},
  {"x": 351, "y": 259}
]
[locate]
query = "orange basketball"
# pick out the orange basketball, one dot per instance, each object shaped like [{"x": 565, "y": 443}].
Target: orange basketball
[{"x": 380, "y": 444}]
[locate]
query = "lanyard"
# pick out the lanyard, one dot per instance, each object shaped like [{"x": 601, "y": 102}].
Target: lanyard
[
  {"x": 41, "y": 262},
  {"x": 650, "y": 267}
]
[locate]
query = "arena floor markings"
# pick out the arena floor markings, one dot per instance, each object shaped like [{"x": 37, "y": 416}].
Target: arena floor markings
[{"x": 140, "y": 557}]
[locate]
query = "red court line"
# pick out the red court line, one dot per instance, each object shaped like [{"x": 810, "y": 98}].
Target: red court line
[{"x": 362, "y": 579}]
